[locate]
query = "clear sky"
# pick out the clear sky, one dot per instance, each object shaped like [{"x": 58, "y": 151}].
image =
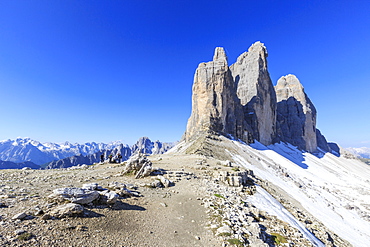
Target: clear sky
[{"x": 101, "y": 71}]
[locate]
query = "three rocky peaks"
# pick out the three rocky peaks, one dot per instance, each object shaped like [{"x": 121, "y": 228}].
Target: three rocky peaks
[{"x": 240, "y": 100}]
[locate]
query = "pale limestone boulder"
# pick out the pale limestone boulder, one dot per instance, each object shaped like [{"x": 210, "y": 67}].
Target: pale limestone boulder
[
  {"x": 166, "y": 183},
  {"x": 235, "y": 179},
  {"x": 74, "y": 195},
  {"x": 66, "y": 210},
  {"x": 296, "y": 114},
  {"x": 92, "y": 186},
  {"x": 256, "y": 92},
  {"x": 20, "y": 216},
  {"x": 116, "y": 185},
  {"x": 225, "y": 229},
  {"x": 108, "y": 197},
  {"x": 215, "y": 106}
]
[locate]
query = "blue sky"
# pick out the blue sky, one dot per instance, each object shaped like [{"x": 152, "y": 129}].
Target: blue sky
[{"x": 117, "y": 70}]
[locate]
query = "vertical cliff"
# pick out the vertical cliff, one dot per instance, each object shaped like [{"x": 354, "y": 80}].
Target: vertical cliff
[
  {"x": 241, "y": 101},
  {"x": 256, "y": 92},
  {"x": 215, "y": 106},
  {"x": 296, "y": 115}
]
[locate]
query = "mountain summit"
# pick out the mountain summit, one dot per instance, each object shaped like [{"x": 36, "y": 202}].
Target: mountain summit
[{"x": 240, "y": 100}]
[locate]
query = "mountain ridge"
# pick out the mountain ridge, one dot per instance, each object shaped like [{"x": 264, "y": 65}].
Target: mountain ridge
[
  {"x": 240, "y": 100},
  {"x": 66, "y": 154}
]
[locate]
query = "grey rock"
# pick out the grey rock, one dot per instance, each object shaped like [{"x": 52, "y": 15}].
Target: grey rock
[
  {"x": 20, "y": 216},
  {"x": 296, "y": 114},
  {"x": 140, "y": 164},
  {"x": 156, "y": 184},
  {"x": 19, "y": 231},
  {"x": 166, "y": 183},
  {"x": 256, "y": 92},
  {"x": 66, "y": 210},
  {"x": 323, "y": 144},
  {"x": 215, "y": 106},
  {"x": 92, "y": 186},
  {"x": 225, "y": 229},
  {"x": 234, "y": 179},
  {"x": 74, "y": 195},
  {"x": 107, "y": 197},
  {"x": 116, "y": 185}
]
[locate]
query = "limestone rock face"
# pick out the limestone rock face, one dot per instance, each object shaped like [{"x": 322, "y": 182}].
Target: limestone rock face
[
  {"x": 215, "y": 106},
  {"x": 296, "y": 115},
  {"x": 241, "y": 101},
  {"x": 256, "y": 92},
  {"x": 323, "y": 144}
]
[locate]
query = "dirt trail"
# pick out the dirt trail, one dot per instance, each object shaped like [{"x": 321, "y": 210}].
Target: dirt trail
[{"x": 170, "y": 216}]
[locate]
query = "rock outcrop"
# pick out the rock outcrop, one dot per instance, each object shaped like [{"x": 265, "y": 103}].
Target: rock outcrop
[
  {"x": 256, "y": 92},
  {"x": 241, "y": 101},
  {"x": 296, "y": 115},
  {"x": 216, "y": 108}
]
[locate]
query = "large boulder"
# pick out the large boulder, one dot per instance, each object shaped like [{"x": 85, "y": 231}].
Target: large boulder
[
  {"x": 108, "y": 197},
  {"x": 66, "y": 210},
  {"x": 74, "y": 195}
]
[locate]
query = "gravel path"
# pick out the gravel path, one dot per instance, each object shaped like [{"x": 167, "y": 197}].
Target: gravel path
[{"x": 170, "y": 216}]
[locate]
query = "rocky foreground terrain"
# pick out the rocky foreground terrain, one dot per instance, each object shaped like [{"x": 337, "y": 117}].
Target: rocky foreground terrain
[{"x": 204, "y": 204}]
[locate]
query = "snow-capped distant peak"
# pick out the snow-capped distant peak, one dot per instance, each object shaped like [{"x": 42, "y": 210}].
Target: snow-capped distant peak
[{"x": 363, "y": 152}]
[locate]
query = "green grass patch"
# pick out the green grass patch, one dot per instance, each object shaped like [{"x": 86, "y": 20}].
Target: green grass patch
[
  {"x": 278, "y": 239},
  {"x": 216, "y": 218},
  {"x": 236, "y": 242},
  {"x": 219, "y": 196},
  {"x": 225, "y": 234},
  {"x": 130, "y": 173},
  {"x": 25, "y": 236}
]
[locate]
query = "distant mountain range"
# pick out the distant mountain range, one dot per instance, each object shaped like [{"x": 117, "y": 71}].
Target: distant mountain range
[
  {"x": 25, "y": 152},
  {"x": 363, "y": 152}
]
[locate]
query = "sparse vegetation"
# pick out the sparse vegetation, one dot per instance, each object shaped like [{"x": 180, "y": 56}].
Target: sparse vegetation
[
  {"x": 25, "y": 236},
  {"x": 130, "y": 173},
  {"x": 236, "y": 242},
  {"x": 278, "y": 239},
  {"x": 219, "y": 196}
]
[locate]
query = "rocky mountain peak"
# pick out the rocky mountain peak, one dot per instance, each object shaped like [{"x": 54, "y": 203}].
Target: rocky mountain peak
[
  {"x": 216, "y": 108},
  {"x": 220, "y": 55},
  {"x": 289, "y": 86},
  {"x": 258, "y": 47},
  {"x": 241, "y": 101},
  {"x": 296, "y": 114},
  {"x": 256, "y": 92}
]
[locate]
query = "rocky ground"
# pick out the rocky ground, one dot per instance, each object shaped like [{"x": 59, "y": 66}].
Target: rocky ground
[{"x": 203, "y": 206}]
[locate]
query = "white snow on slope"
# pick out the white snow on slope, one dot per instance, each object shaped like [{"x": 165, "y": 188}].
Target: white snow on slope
[
  {"x": 333, "y": 189},
  {"x": 264, "y": 201}
]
